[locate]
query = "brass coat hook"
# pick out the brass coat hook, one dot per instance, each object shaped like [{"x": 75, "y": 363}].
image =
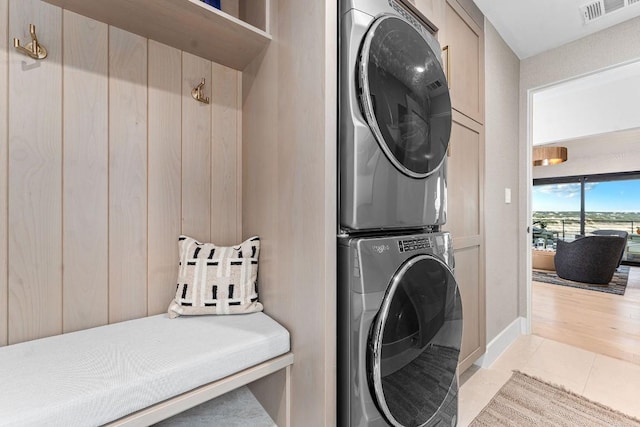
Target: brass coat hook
[
  {"x": 197, "y": 94},
  {"x": 34, "y": 49}
]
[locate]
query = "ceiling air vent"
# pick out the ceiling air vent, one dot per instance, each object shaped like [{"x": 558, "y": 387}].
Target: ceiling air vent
[
  {"x": 592, "y": 11},
  {"x": 598, "y": 8},
  {"x": 611, "y": 5}
]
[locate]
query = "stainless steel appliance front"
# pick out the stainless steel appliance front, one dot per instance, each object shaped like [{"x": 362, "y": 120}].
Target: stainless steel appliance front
[
  {"x": 395, "y": 120},
  {"x": 399, "y": 331}
]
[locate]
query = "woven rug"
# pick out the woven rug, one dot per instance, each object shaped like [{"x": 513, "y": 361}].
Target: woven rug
[
  {"x": 617, "y": 285},
  {"x": 525, "y": 401}
]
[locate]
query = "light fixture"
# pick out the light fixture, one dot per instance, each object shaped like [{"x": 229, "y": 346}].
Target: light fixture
[{"x": 545, "y": 156}]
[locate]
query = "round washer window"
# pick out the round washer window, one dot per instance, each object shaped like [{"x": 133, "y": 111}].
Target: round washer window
[
  {"x": 415, "y": 342},
  {"x": 404, "y": 96}
]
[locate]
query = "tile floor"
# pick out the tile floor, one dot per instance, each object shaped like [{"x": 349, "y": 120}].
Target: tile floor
[{"x": 612, "y": 382}]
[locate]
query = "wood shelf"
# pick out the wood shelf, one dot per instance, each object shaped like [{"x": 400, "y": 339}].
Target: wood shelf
[{"x": 189, "y": 25}]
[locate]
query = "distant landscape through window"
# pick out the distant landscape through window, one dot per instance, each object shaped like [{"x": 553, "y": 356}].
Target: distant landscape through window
[{"x": 570, "y": 207}]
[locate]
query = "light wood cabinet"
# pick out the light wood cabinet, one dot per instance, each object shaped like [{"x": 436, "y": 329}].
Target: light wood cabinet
[
  {"x": 433, "y": 10},
  {"x": 233, "y": 36},
  {"x": 462, "y": 41},
  {"x": 465, "y": 221}
]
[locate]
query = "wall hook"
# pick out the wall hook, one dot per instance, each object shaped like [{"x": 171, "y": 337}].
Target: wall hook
[
  {"x": 34, "y": 49},
  {"x": 197, "y": 94}
]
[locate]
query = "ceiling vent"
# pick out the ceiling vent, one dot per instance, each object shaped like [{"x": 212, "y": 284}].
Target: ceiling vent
[
  {"x": 612, "y": 5},
  {"x": 598, "y": 8},
  {"x": 592, "y": 11}
]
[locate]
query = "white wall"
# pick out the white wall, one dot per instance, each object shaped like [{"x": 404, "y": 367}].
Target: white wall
[
  {"x": 502, "y": 70},
  {"x": 602, "y": 102},
  {"x": 598, "y": 51},
  {"x": 613, "y": 152}
]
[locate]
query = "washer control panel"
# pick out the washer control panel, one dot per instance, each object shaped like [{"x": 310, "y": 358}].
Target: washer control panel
[{"x": 414, "y": 244}]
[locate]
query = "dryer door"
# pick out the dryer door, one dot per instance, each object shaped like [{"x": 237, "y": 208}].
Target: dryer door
[
  {"x": 404, "y": 95},
  {"x": 415, "y": 342}
]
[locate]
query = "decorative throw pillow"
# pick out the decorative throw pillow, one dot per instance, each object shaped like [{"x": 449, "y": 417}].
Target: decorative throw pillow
[{"x": 216, "y": 279}]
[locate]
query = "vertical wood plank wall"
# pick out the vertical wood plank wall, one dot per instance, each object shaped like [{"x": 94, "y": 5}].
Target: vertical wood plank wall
[
  {"x": 4, "y": 61},
  {"x": 225, "y": 189},
  {"x": 165, "y": 168},
  {"x": 35, "y": 176},
  {"x": 104, "y": 160},
  {"x": 85, "y": 173},
  {"x": 196, "y": 157},
  {"x": 127, "y": 177}
]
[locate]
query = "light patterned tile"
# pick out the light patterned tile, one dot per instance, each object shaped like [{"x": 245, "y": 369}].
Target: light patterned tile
[
  {"x": 518, "y": 354},
  {"x": 561, "y": 364},
  {"x": 477, "y": 391},
  {"x": 615, "y": 383}
]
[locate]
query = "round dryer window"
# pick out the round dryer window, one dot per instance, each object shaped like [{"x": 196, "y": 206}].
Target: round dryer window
[
  {"x": 414, "y": 342},
  {"x": 404, "y": 96}
]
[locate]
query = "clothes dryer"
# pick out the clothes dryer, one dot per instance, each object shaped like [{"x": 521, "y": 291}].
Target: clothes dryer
[
  {"x": 394, "y": 119},
  {"x": 399, "y": 331}
]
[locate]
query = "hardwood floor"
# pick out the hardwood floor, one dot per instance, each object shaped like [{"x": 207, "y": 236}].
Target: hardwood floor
[{"x": 595, "y": 321}]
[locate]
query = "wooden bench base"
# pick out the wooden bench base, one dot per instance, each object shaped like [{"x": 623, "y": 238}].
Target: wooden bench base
[{"x": 181, "y": 403}]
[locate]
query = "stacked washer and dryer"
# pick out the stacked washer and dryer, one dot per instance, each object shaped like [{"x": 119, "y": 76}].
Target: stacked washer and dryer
[{"x": 399, "y": 310}]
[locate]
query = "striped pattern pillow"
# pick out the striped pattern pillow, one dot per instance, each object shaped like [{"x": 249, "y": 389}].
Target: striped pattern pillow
[{"x": 216, "y": 279}]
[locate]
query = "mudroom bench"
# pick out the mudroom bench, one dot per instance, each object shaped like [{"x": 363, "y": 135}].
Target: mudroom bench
[{"x": 142, "y": 371}]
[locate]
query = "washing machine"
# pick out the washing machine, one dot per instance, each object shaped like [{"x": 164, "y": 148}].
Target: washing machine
[
  {"x": 399, "y": 331},
  {"x": 394, "y": 119}
]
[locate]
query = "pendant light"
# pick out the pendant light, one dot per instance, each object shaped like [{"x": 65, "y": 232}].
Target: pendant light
[{"x": 545, "y": 156}]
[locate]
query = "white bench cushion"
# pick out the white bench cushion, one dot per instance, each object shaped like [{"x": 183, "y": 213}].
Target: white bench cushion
[{"x": 98, "y": 375}]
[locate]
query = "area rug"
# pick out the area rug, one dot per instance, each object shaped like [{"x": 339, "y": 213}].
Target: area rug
[
  {"x": 617, "y": 285},
  {"x": 525, "y": 401}
]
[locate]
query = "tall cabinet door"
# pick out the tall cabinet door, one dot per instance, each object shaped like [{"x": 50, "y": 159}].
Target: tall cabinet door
[
  {"x": 466, "y": 223},
  {"x": 462, "y": 41}
]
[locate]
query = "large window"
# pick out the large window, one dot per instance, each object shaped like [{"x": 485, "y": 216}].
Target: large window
[{"x": 570, "y": 207}]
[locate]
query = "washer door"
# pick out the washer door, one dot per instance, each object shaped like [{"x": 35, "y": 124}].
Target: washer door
[
  {"x": 414, "y": 343},
  {"x": 404, "y": 96}
]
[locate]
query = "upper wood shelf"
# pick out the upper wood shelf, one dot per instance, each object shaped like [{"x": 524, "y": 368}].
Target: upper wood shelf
[{"x": 189, "y": 25}]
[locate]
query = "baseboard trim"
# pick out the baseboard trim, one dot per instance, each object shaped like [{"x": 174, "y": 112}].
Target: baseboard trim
[{"x": 502, "y": 341}]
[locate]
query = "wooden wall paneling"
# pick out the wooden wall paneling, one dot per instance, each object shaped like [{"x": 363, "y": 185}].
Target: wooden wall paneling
[
  {"x": 468, "y": 277},
  {"x": 466, "y": 61},
  {"x": 271, "y": 392},
  {"x": 196, "y": 150},
  {"x": 232, "y": 7},
  {"x": 4, "y": 70},
  {"x": 256, "y": 13},
  {"x": 260, "y": 201},
  {"x": 165, "y": 163},
  {"x": 433, "y": 10},
  {"x": 260, "y": 175},
  {"x": 463, "y": 180},
  {"x": 226, "y": 183},
  {"x": 330, "y": 85},
  {"x": 303, "y": 189},
  {"x": 85, "y": 173},
  {"x": 127, "y": 175},
  {"x": 35, "y": 176}
]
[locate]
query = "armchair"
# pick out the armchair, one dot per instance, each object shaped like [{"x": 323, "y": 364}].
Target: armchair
[
  {"x": 620, "y": 233},
  {"x": 591, "y": 259}
]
